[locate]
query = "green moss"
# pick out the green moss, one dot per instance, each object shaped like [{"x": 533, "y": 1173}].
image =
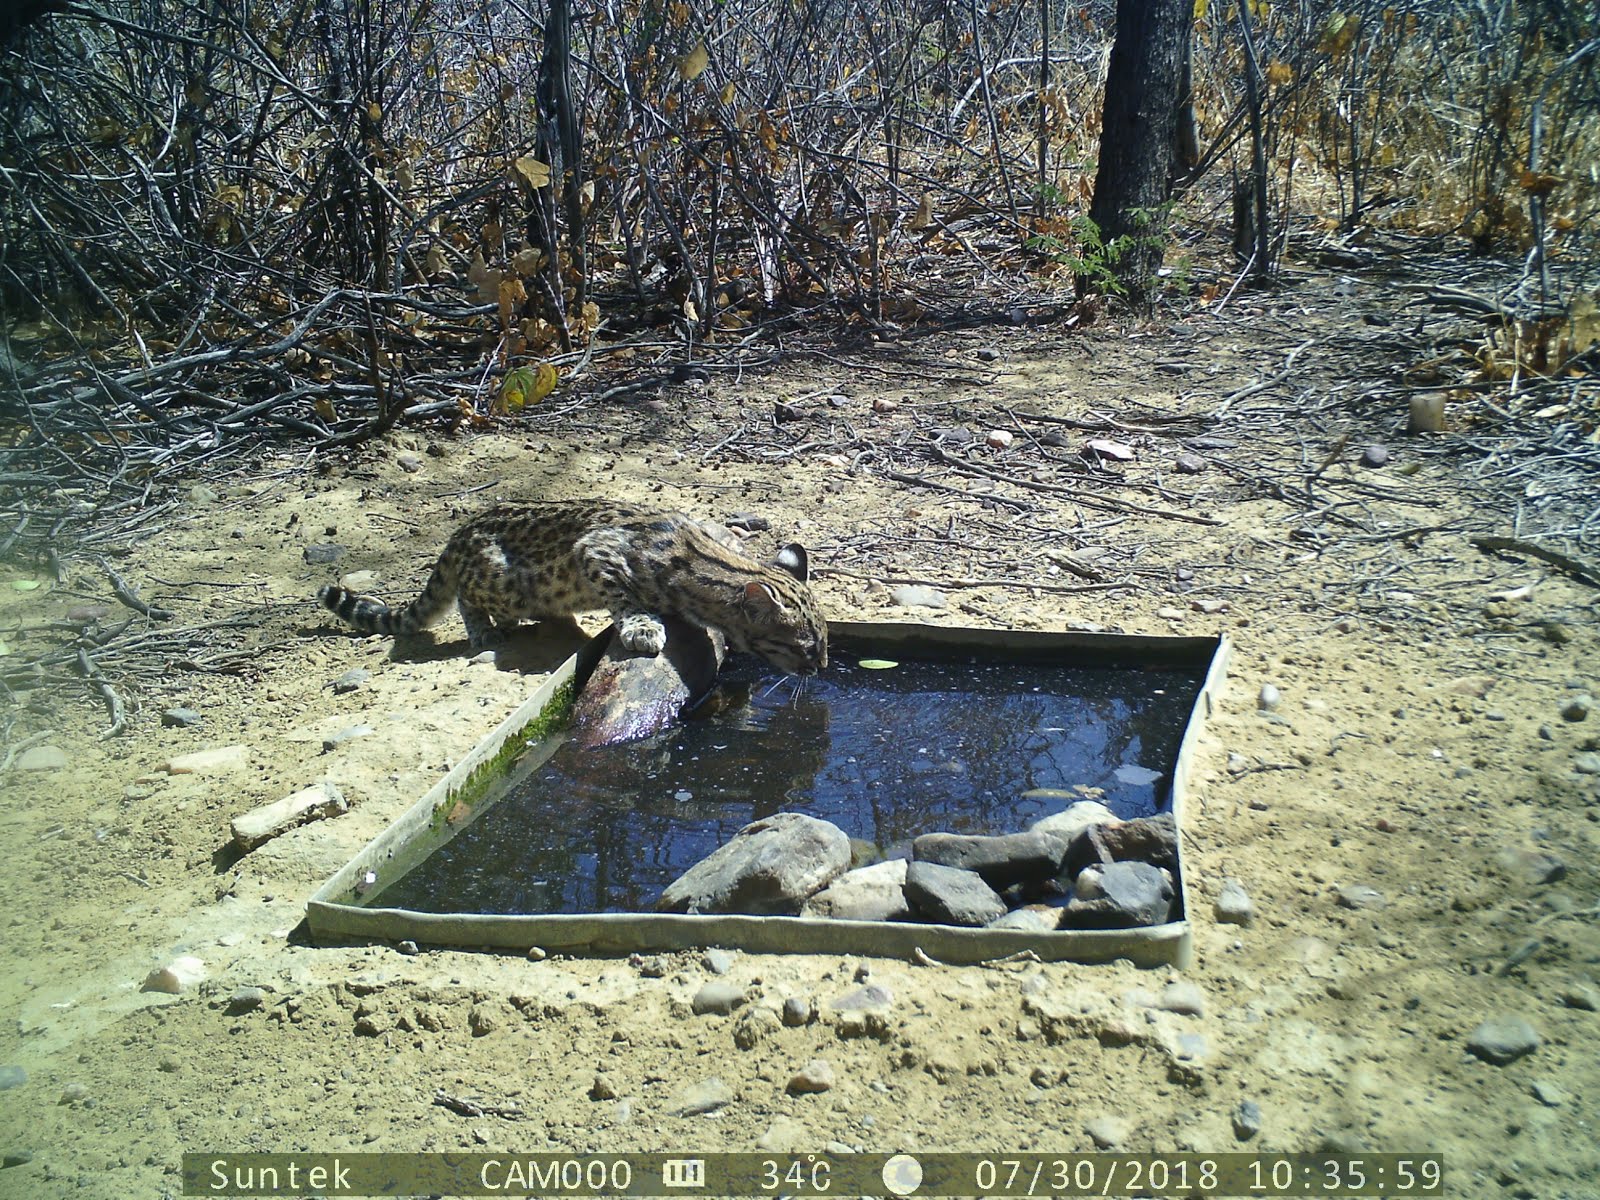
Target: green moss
[
  {"x": 488, "y": 775},
  {"x": 485, "y": 783}
]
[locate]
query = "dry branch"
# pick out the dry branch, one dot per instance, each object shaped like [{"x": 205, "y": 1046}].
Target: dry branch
[{"x": 1581, "y": 571}]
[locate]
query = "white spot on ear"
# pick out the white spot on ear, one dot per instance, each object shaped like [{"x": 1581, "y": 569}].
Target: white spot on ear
[{"x": 792, "y": 558}]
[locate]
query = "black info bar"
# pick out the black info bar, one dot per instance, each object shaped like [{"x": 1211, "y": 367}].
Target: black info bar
[{"x": 813, "y": 1175}]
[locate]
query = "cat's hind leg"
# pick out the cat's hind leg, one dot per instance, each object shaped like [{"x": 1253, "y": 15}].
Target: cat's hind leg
[{"x": 481, "y": 631}]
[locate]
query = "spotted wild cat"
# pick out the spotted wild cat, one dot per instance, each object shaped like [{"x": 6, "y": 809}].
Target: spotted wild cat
[{"x": 553, "y": 558}]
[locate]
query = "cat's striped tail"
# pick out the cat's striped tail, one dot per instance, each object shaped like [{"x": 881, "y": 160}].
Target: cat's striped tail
[{"x": 371, "y": 615}]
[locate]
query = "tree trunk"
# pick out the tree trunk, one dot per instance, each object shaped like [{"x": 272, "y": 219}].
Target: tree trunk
[
  {"x": 558, "y": 61},
  {"x": 1139, "y": 128}
]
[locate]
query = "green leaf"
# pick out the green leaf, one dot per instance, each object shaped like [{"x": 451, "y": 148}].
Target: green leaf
[
  {"x": 877, "y": 664},
  {"x": 24, "y": 585}
]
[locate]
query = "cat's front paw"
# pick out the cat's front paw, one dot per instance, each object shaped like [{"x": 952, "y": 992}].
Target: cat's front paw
[{"x": 642, "y": 633}]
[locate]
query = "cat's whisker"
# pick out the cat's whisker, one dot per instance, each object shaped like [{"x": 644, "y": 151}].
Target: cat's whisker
[{"x": 780, "y": 679}]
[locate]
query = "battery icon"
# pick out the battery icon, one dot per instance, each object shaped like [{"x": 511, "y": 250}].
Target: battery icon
[{"x": 683, "y": 1173}]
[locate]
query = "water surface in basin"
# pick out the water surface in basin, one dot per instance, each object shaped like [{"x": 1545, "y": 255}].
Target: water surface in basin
[{"x": 885, "y": 754}]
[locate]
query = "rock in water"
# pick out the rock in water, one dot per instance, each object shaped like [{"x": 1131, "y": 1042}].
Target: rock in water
[
  {"x": 873, "y": 893},
  {"x": 1130, "y": 894},
  {"x": 769, "y": 868},
  {"x": 950, "y": 896},
  {"x": 1145, "y": 839},
  {"x": 1009, "y": 858},
  {"x": 630, "y": 696},
  {"x": 1067, "y": 826},
  {"x": 1033, "y": 918}
]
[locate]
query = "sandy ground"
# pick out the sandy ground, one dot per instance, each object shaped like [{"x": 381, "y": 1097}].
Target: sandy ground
[{"x": 1419, "y": 750}]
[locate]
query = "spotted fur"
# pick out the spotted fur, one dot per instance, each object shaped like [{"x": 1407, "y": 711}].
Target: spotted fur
[{"x": 551, "y": 559}]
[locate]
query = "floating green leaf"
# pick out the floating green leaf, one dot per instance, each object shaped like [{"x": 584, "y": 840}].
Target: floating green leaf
[{"x": 877, "y": 664}]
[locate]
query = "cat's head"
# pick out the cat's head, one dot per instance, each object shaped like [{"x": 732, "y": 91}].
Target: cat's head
[{"x": 786, "y": 626}]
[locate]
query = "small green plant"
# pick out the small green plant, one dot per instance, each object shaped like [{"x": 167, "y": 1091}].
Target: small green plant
[{"x": 1078, "y": 245}]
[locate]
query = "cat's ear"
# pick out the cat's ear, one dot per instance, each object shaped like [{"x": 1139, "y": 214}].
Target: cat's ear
[
  {"x": 761, "y": 597},
  {"x": 792, "y": 558}
]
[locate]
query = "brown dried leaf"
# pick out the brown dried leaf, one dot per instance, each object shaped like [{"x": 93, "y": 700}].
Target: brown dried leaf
[
  {"x": 486, "y": 281},
  {"x": 527, "y": 262},
  {"x": 512, "y": 294},
  {"x": 534, "y": 173},
  {"x": 692, "y": 64}
]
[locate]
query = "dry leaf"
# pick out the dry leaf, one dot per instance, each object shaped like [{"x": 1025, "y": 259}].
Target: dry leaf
[
  {"x": 486, "y": 281},
  {"x": 534, "y": 172},
  {"x": 512, "y": 294},
  {"x": 693, "y": 63},
  {"x": 1540, "y": 183},
  {"x": 1338, "y": 34},
  {"x": 527, "y": 261}
]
